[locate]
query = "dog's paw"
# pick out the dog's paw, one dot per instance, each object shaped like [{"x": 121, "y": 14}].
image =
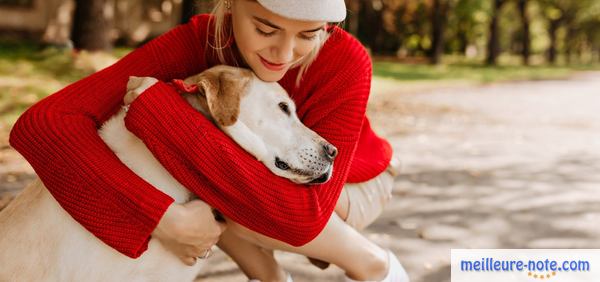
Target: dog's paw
[{"x": 136, "y": 86}]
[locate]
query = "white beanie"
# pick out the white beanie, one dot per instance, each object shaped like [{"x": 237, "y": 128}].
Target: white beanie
[{"x": 307, "y": 10}]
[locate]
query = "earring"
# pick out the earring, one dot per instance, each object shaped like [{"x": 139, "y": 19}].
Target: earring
[{"x": 228, "y": 4}]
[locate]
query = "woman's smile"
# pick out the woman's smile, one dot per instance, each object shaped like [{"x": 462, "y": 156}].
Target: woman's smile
[{"x": 271, "y": 66}]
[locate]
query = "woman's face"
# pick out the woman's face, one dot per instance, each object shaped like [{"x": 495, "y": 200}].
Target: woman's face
[{"x": 271, "y": 44}]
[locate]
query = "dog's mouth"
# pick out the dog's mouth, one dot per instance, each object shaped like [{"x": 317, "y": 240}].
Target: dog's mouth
[
  {"x": 314, "y": 180},
  {"x": 316, "y": 173},
  {"x": 323, "y": 177}
]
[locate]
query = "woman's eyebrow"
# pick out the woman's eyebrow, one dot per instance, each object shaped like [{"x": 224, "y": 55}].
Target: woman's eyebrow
[
  {"x": 316, "y": 29},
  {"x": 268, "y": 23}
]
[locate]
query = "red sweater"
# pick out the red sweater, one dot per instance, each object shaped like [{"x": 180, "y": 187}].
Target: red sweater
[{"x": 58, "y": 136}]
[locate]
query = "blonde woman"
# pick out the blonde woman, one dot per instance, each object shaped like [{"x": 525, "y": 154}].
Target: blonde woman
[{"x": 326, "y": 72}]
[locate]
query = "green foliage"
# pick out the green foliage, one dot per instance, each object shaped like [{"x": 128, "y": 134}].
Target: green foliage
[{"x": 407, "y": 27}]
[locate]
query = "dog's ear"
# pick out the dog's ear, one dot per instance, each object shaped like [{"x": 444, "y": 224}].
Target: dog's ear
[{"x": 223, "y": 90}]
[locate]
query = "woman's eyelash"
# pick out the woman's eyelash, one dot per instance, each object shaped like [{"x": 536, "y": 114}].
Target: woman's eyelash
[
  {"x": 312, "y": 37},
  {"x": 267, "y": 34}
]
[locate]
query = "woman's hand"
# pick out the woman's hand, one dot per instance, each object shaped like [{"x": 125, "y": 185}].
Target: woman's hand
[{"x": 189, "y": 230}]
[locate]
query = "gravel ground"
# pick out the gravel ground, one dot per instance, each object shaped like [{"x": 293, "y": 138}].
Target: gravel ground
[{"x": 510, "y": 165}]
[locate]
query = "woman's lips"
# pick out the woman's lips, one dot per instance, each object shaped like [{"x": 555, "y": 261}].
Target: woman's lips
[{"x": 271, "y": 66}]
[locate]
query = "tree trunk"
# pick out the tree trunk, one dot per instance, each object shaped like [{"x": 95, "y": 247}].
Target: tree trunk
[
  {"x": 91, "y": 26},
  {"x": 369, "y": 18},
  {"x": 570, "y": 44},
  {"x": 352, "y": 19},
  {"x": 525, "y": 52},
  {"x": 438, "y": 22},
  {"x": 494, "y": 40},
  {"x": 554, "y": 25},
  {"x": 188, "y": 9}
]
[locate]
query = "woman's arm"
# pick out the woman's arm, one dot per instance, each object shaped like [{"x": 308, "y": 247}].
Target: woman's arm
[
  {"x": 58, "y": 136},
  {"x": 242, "y": 188}
]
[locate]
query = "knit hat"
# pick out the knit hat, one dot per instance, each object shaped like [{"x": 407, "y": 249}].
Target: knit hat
[{"x": 307, "y": 10}]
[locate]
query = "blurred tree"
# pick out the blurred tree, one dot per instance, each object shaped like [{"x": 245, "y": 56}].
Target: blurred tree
[
  {"x": 439, "y": 18},
  {"x": 413, "y": 27},
  {"x": 571, "y": 16},
  {"x": 494, "y": 36},
  {"x": 188, "y": 9},
  {"x": 589, "y": 23},
  {"x": 371, "y": 23},
  {"x": 467, "y": 26},
  {"x": 352, "y": 18},
  {"x": 91, "y": 25},
  {"x": 555, "y": 16},
  {"x": 526, "y": 40}
]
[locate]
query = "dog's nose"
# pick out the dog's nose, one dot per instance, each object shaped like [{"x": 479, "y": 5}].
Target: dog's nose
[{"x": 330, "y": 151}]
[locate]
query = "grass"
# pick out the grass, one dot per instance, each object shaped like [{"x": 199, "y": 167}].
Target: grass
[
  {"x": 29, "y": 73},
  {"x": 28, "y": 60},
  {"x": 472, "y": 72}
]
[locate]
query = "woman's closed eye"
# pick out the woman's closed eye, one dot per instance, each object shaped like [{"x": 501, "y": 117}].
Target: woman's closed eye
[
  {"x": 304, "y": 35},
  {"x": 266, "y": 33},
  {"x": 309, "y": 35}
]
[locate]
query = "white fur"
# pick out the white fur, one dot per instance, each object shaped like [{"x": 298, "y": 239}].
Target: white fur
[{"x": 39, "y": 241}]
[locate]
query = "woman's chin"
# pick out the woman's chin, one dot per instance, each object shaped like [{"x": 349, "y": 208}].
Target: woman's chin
[{"x": 268, "y": 75}]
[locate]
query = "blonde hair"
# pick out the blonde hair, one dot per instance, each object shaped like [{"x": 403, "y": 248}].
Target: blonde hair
[{"x": 223, "y": 33}]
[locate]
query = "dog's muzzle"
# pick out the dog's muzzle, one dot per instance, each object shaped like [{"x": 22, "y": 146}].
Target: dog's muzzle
[{"x": 323, "y": 178}]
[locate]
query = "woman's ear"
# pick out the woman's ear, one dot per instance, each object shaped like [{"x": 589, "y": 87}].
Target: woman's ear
[{"x": 223, "y": 89}]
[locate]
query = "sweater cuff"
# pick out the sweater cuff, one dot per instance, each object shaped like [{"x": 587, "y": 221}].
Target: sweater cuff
[{"x": 141, "y": 237}]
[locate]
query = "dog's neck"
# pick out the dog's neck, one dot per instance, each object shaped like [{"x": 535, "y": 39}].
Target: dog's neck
[
  {"x": 198, "y": 101},
  {"x": 238, "y": 131}
]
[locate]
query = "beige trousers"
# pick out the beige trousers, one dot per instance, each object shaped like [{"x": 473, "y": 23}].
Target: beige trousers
[{"x": 361, "y": 203}]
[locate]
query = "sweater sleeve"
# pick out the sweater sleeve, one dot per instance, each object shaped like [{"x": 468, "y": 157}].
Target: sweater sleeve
[
  {"x": 58, "y": 137},
  {"x": 242, "y": 188}
]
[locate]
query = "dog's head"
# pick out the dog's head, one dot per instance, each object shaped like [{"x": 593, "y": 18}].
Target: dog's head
[{"x": 261, "y": 117}]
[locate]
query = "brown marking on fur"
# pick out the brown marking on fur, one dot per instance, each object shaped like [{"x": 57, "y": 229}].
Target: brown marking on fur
[
  {"x": 201, "y": 99},
  {"x": 223, "y": 87}
]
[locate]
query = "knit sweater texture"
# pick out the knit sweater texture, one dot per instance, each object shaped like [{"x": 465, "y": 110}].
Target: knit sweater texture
[{"x": 58, "y": 136}]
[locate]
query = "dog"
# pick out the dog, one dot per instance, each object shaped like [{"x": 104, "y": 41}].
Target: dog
[{"x": 39, "y": 241}]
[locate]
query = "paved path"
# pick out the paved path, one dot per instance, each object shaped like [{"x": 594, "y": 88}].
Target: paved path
[
  {"x": 511, "y": 165},
  {"x": 503, "y": 166}
]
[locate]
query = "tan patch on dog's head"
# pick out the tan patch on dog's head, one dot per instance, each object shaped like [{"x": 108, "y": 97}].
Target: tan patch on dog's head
[{"x": 223, "y": 87}]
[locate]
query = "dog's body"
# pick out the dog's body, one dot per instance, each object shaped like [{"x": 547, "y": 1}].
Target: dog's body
[{"x": 39, "y": 241}]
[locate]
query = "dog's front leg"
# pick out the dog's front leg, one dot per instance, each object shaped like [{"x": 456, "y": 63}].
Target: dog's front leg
[{"x": 136, "y": 86}]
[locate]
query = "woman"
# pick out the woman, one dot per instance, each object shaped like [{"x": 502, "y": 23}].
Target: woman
[{"x": 278, "y": 40}]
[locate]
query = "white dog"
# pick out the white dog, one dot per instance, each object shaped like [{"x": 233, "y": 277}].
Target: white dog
[{"x": 39, "y": 241}]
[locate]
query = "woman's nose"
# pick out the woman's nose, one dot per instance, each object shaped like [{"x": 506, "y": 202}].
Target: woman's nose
[{"x": 285, "y": 51}]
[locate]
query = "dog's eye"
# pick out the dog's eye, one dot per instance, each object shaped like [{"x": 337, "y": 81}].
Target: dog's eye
[
  {"x": 285, "y": 108},
  {"x": 281, "y": 165}
]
